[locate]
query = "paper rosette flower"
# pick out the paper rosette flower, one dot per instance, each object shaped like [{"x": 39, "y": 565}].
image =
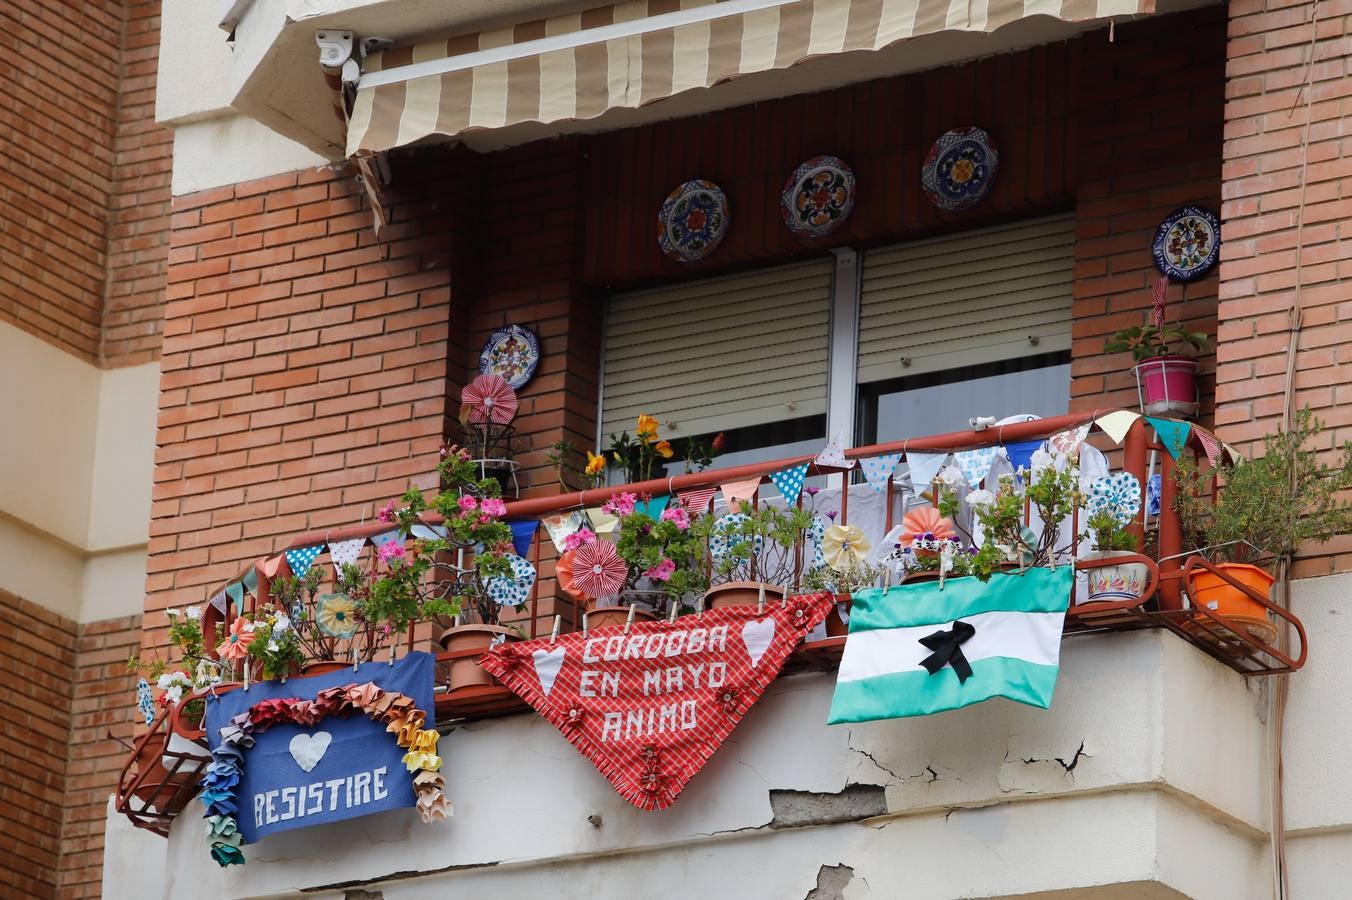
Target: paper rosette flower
[
  {"x": 488, "y": 398},
  {"x": 433, "y": 806},
  {"x": 925, "y": 521},
  {"x": 844, "y": 546},
  {"x": 237, "y": 640},
  {"x": 336, "y": 615},
  {"x": 597, "y": 570},
  {"x": 362, "y": 696}
]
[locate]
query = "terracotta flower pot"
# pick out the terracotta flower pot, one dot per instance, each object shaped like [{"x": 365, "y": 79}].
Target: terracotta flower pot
[
  {"x": 1217, "y": 595},
  {"x": 836, "y": 625},
  {"x": 1168, "y": 386},
  {"x": 465, "y": 671},
  {"x": 741, "y": 593},
  {"x": 605, "y": 616},
  {"x": 323, "y": 667},
  {"x": 1126, "y": 581}
]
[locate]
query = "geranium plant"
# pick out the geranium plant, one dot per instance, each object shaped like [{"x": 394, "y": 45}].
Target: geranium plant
[
  {"x": 666, "y": 553},
  {"x": 1146, "y": 341}
]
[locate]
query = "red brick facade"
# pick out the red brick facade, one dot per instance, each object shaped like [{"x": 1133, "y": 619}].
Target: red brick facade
[
  {"x": 65, "y": 687},
  {"x": 1276, "y": 126},
  {"x": 85, "y": 183}
]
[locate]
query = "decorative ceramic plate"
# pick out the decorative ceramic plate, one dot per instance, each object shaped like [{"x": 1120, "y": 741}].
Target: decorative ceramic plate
[
  {"x": 1188, "y": 243},
  {"x": 818, "y": 196},
  {"x": 960, "y": 169},
  {"x": 512, "y": 353},
  {"x": 693, "y": 220}
]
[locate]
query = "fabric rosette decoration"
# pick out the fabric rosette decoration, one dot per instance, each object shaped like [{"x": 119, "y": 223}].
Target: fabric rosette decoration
[
  {"x": 594, "y": 570},
  {"x": 844, "y": 547},
  {"x": 335, "y": 615},
  {"x": 237, "y": 640},
  {"x": 489, "y": 399},
  {"x": 924, "y": 530}
]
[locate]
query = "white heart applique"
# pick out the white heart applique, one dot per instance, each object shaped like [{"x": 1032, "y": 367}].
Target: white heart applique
[
  {"x": 308, "y": 749},
  {"x": 547, "y": 665},
  {"x": 757, "y": 636}
]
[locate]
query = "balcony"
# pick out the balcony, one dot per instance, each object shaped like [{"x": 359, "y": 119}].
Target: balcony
[{"x": 152, "y": 793}]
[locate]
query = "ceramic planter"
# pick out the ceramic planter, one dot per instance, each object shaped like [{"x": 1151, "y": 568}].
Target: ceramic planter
[
  {"x": 1125, "y": 581},
  {"x": 323, "y": 667},
  {"x": 465, "y": 671},
  {"x": 1168, "y": 386},
  {"x": 1219, "y": 596},
  {"x": 741, "y": 593}
]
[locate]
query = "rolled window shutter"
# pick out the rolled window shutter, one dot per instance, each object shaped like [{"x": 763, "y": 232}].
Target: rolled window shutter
[
  {"x": 719, "y": 353},
  {"x": 966, "y": 299}
]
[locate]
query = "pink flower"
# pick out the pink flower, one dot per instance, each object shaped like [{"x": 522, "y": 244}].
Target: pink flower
[
  {"x": 386, "y": 513},
  {"x": 662, "y": 571},
  {"x": 392, "y": 549},
  {"x": 578, "y": 538},
  {"x": 678, "y": 516},
  {"x": 494, "y": 507},
  {"x": 467, "y": 503},
  {"x": 620, "y": 504}
]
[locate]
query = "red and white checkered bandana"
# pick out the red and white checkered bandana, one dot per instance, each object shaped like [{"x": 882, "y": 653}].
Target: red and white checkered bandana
[{"x": 648, "y": 708}]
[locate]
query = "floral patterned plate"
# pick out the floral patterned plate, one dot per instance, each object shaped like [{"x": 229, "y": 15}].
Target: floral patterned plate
[
  {"x": 1188, "y": 243},
  {"x": 818, "y": 196},
  {"x": 960, "y": 169},
  {"x": 512, "y": 353},
  {"x": 692, "y": 221}
]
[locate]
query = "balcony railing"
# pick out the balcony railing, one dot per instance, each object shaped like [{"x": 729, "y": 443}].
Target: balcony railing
[{"x": 1162, "y": 605}]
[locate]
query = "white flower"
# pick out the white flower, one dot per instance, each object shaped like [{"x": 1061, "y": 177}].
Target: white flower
[
  {"x": 173, "y": 694},
  {"x": 951, "y": 476},
  {"x": 173, "y": 679},
  {"x": 282, "y": 623},
  {"x": 172, "y": 612},
  {"x": 193, "y": 612},
  {"x": 272, "y": 647},
  {"x": 1041, "y": 461},
  {"x": 249, "y": 627},
  {"x": 980, "y": 497}
]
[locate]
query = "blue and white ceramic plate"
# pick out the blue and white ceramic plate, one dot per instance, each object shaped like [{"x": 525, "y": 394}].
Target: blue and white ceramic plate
[
  {"x": 960, "y": 169},
  {"x": 692, "y": 221},
  {"x": 818, "y": 196},
  {"x": 513, "y": 353},
  {"x": 1188, "y": 243}
]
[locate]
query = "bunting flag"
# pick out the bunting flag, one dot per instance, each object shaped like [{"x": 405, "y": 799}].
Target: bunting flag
[
  {"x": 653, "y": 507},
  {"x": 235, "y": 592},
  {"x": 1116, "y": 424},
  {"x": 270, "y": 566},
  {"x": 343, "y": 553},
  {"x": 428, "y": 532},
  {"x": 833, "y": 455},
  {"x": 1210, "y": 445},
  {"x": 1172, "y": 433},
  {"x": 976, "y": 464},
  {"x": 523, "y": 535},
  {"x": 921, "y": 648},
  {"x": 877, "y": 469},
  {"x": 218, "y": 602},
  {"x": 380, "y": 540},
  {"x": 790, "y": 482},
  {"x": 923, "y": 467},
  {"x": 302, "y": 558},
  {"x": 250, "y": 581},
  {"x": 696, "y": 500},
  {"x": 1020, "y": 453},
  {"x": 1235, "y": 456},
  {"x": 1067, "y": 443},
  {"x": 735, "y": 492},
  {"x": 601, "y": 521},
  {"x": 560, "y": 526}
]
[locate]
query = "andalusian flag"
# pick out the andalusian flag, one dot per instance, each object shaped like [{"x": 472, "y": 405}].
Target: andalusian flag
[{"x": 915, "y": 649}]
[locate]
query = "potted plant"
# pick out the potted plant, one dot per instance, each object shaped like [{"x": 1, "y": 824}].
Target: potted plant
[
  {"x": 487, "y": 407},
  {"x": 756, "y": 554},
  {"x": 1112, "y": 540},
  {"x": 665, "y": 557},
  {"x": 842, "y": 583},
  {"x": 636, "y": 456},
  {"x": 1165, "y": 377},
  {"x": 1008, "y": 541},
  {"x": 1266, "y": 509}
]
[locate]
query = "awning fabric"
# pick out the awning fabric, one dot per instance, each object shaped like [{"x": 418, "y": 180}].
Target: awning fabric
[{"x": 543, "y": 82}]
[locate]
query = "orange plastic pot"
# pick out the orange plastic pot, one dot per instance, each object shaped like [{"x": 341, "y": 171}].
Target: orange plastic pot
[{"x": 1222, "y": 598}]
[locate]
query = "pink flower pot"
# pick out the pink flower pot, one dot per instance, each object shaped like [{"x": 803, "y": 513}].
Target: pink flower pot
[{"x": 1168, "y": 386}]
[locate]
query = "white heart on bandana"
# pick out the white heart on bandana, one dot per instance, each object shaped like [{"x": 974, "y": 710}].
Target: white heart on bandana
[
  {"x": 308, "y": 749},
  {"x": 757, "y": 636},
  {"x": 547, "y": 665}
]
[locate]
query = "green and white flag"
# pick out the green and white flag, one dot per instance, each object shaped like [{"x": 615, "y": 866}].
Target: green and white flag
[{"x": 997, "y": 639}]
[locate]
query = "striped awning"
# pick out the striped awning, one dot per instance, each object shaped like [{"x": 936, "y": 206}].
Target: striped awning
[{"x": 630, "y": 54}]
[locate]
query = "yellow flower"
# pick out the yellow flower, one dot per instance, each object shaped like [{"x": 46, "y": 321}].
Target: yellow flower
[
  {"x": 595, "y": 464},
  {"x": 647, "y": 428},
  {"x": 664, "y": 450}
]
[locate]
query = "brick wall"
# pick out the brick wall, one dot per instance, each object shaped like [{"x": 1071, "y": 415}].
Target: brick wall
[
  {"x": 85, "y": 175},
  {"x": 1267, "y": 125}
]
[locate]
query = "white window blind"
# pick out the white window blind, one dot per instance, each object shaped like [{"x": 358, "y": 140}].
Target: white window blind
[
  {"x": 720, "y": 353},
  {"x": 966, "y": 299}
]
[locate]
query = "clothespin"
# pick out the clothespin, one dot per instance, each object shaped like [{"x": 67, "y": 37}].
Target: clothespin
[
  {"x": 671, "y": 613},
  {"x": 760, "y": 600},
  {"x": 630, "y": 620},
  {"x": 554, "y": 635},
  {"x": 246, "y": 674}
]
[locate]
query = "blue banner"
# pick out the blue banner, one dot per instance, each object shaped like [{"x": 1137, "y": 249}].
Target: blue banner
[{"x": 338, "y": 769}]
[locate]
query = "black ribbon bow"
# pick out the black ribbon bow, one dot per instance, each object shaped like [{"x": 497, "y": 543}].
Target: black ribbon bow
[{"x": 947, "y": 647}]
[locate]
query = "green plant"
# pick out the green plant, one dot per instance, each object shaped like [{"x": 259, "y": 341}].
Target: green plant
[
  {"x": 198, "y": 670},
  {"x": 276, "y": 645},
  {"x": 699, "y": 453},
  {"x": 1270, "y": 504},
  {"x": 560, "y": 457},
  {"x": 1109, "y": 533},
  {"x": 636, "y": 456},
  {"x": 781, "y": 535},
  {"x": 666, "y": 551},
  {"x": 1146, "y": 341},
  {"x": 1054, "y": 494},
  {"x": 853, "y": 578}
]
